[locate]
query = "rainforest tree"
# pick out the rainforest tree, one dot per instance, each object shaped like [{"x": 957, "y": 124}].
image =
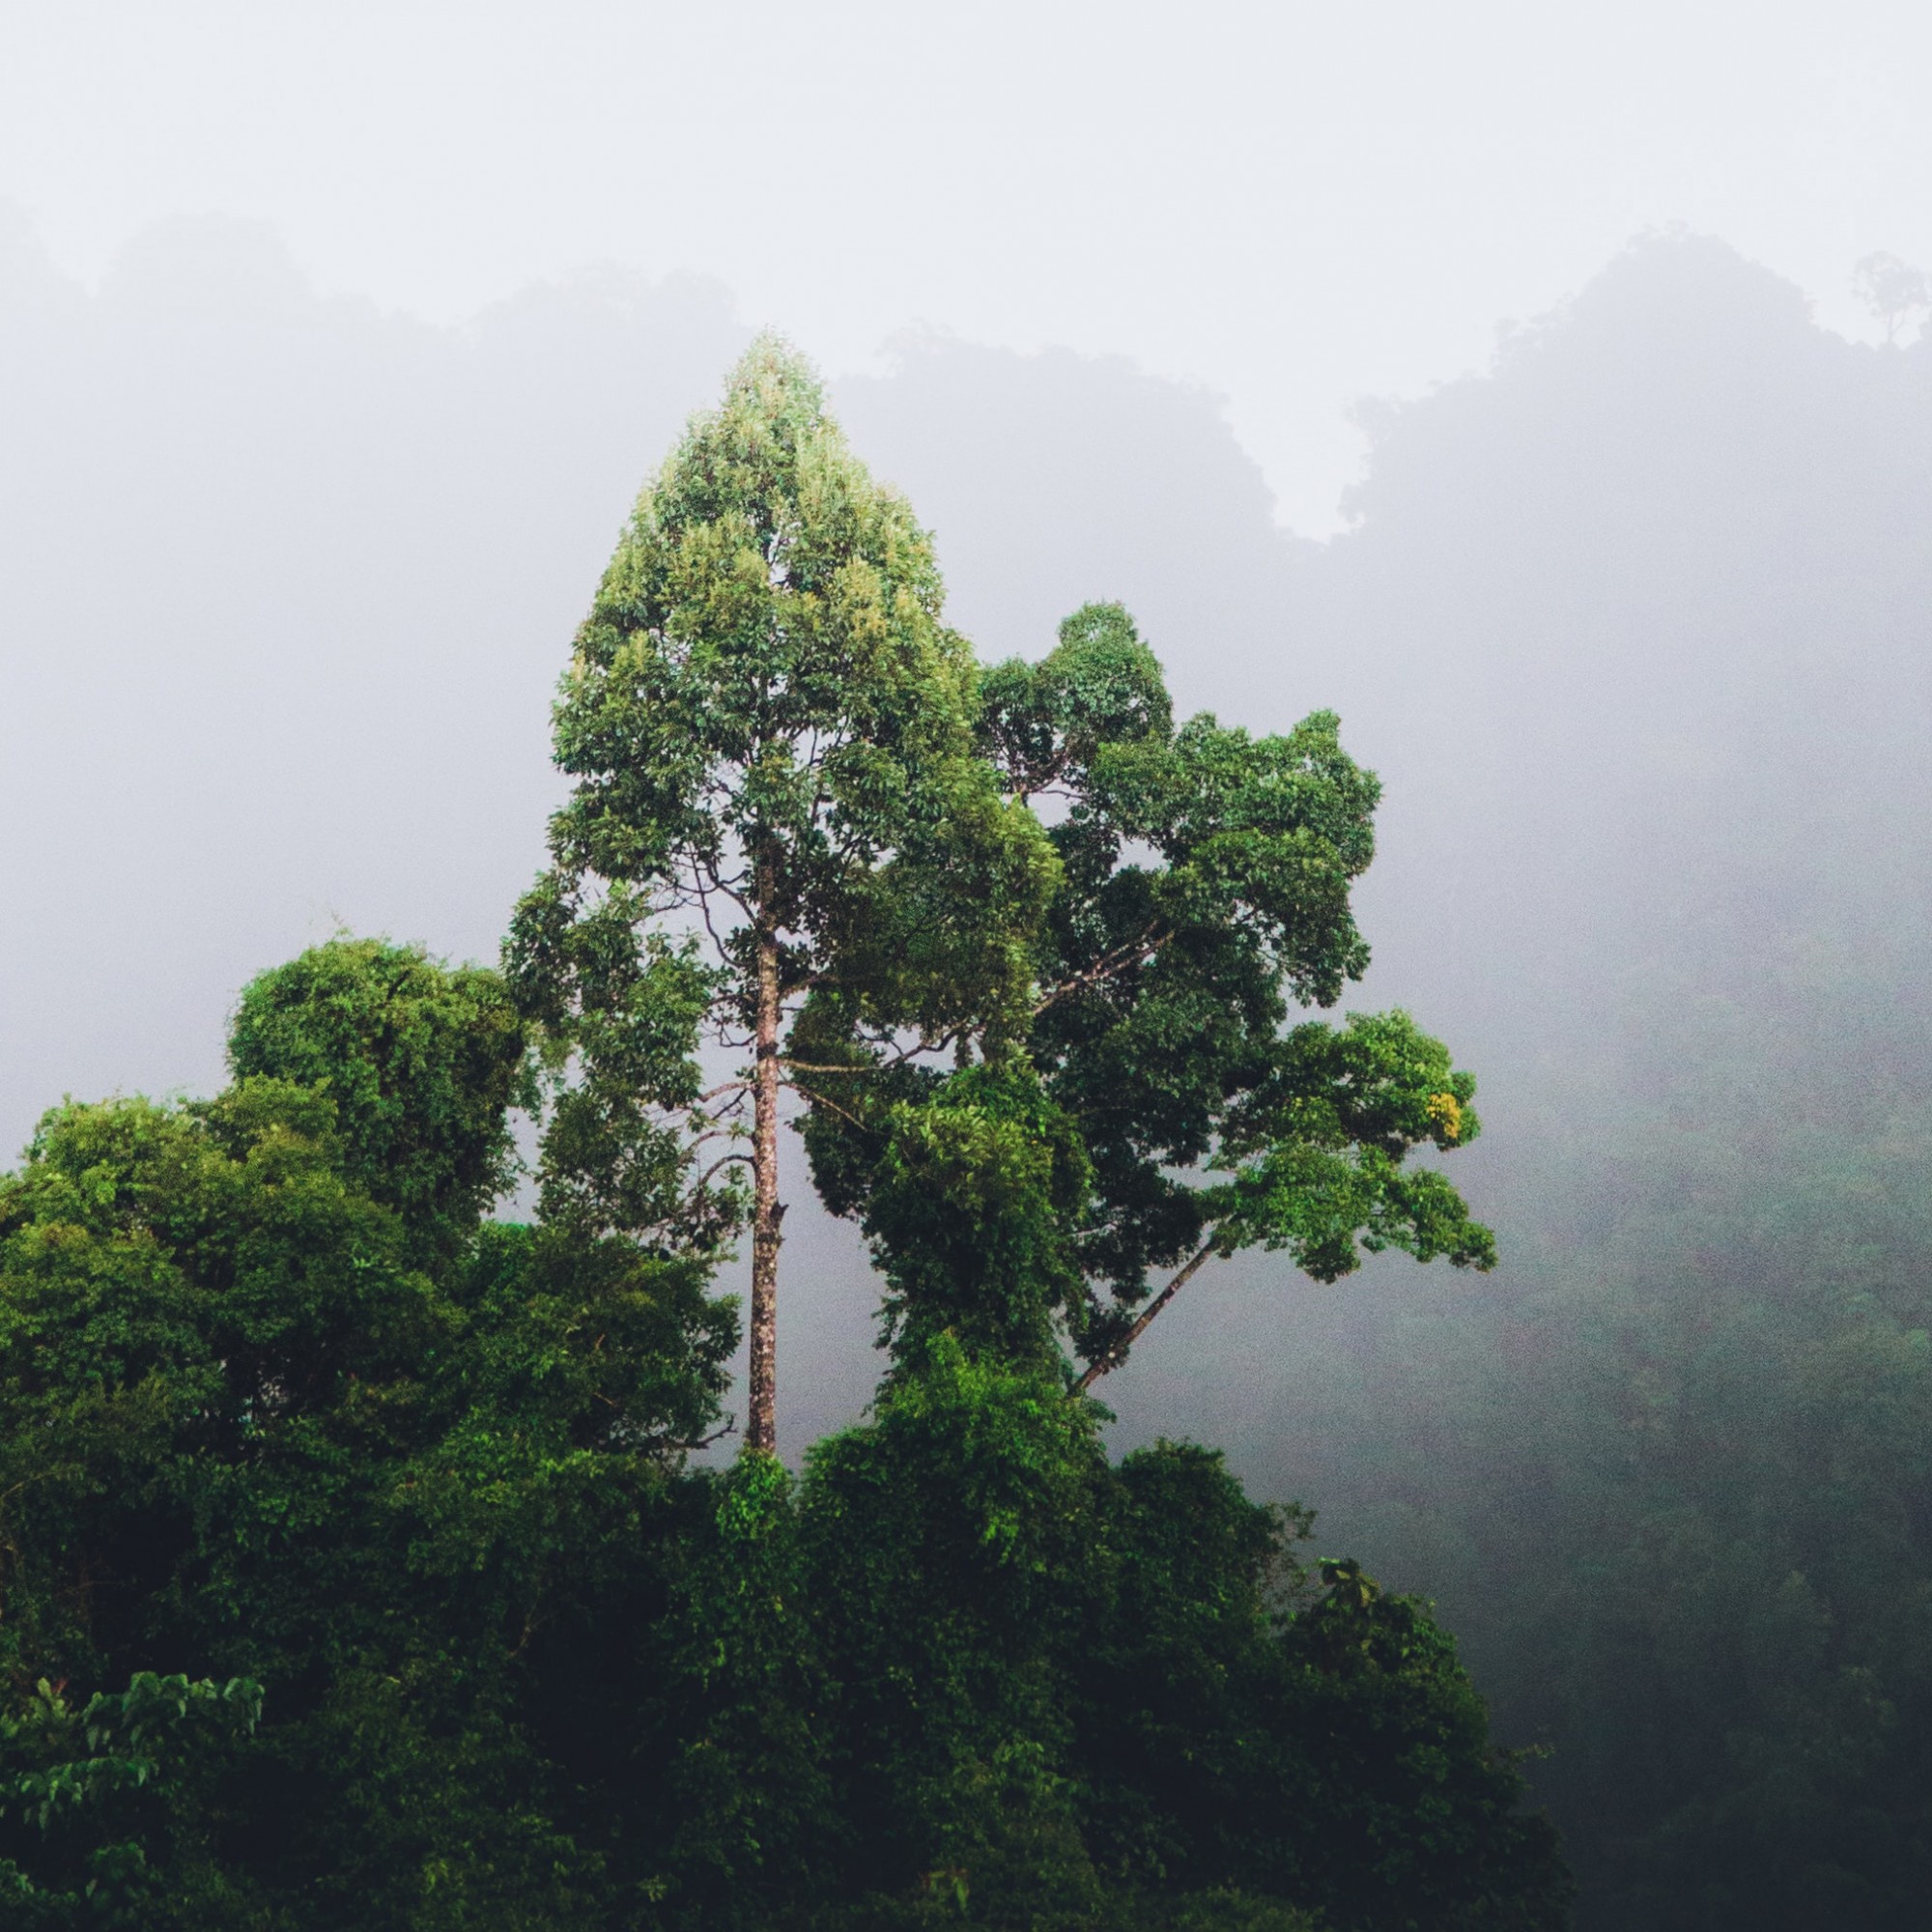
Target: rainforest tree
[
  {"x": 420, "y": 1063},
  {"x": 805, "y": 825},
  {"x": 770, "y": 731}
]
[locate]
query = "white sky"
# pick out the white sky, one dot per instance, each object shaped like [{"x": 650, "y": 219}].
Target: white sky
[{"x": 1290, "y": 204}]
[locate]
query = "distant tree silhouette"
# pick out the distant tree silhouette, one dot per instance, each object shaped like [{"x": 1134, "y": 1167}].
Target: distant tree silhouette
[{"x": 1891, "y": 289}]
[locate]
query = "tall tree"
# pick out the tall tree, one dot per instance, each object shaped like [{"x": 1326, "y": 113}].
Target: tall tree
[{"x": 778, "y": 794}]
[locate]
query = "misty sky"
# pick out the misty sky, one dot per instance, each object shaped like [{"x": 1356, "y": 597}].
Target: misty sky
[{"x": 1290, "y": 204}]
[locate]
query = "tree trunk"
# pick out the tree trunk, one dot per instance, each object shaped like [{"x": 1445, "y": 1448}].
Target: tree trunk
[{"x": 761, "y": 1423}]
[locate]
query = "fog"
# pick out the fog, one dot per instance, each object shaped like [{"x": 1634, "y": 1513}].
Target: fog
[
  {"x": 1295, "y": 205},
  {"x": 319, "y": 418}
]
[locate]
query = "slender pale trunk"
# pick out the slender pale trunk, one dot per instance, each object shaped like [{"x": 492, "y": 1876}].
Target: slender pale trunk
[
  {"x": 1117, "y": 1354},
  {"x": 762, "y": 1424}
]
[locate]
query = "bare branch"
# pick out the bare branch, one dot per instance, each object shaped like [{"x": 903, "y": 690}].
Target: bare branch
[
  {"x": 730, "y": 1427},
  {"x": 897, "y": 1058},
  {"x": 1132, "y": 953},
  {"x": 704, "y": 910},
  {"x": 820, "y": 1100},
  {"x": 723, "y": 1160},
  {"x": 1117, "y": 1354}
]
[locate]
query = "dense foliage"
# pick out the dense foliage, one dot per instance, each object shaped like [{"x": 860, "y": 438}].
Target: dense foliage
[
  {"x": 1203, "y": 886},
  {"x": 355, "y": 1568},
  {"x": 516, "y": 1660},
  {"x": 247, "y": 1437}
]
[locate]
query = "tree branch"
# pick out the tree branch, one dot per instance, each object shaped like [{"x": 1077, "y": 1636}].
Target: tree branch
[
  {"x": 897, "y": 1058},
  {"x": 820, "y": 1100},
  {"x": 730, "y": 1427},
  {"x": 724, "y": 1160},
  {"x": 1132, "y": 953},
  {"x": 1117, "y": 1354}
]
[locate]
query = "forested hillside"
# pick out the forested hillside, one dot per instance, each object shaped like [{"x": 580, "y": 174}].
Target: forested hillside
[
  {"x": 1641, "y": 618},
  {"x": 1678, "y": 554},
  {"x": 1631, "y": 626}
]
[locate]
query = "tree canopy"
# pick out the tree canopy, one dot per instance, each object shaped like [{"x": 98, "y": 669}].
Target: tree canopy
[
  {"x": 359, "y": 1566},
  {"x": 805, "y": 824},
  {"x": 1202, "y": 888},
  {"x": 770, "y": 731}
]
